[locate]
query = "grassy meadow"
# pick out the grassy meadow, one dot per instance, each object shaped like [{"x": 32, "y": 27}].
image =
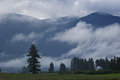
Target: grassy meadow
[{"x": 6, "y": 76}]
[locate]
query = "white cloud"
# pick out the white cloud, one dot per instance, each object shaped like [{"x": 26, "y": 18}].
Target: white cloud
[
  {"x": 27, "y": 37},
  {"x": 102, "y": 42},
  {"x": 14, "y": 63},
  {"x": 57, "y": 8},
  {"x": 70, "y": 35}
]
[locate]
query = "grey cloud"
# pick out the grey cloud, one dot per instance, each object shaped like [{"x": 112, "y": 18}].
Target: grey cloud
[
  {"x": 3, "y": 54},
  {"x": 58, "y": 8}
]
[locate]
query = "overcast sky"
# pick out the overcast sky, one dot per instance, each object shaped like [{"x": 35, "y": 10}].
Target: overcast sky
[{"x": 56, "y": 8}]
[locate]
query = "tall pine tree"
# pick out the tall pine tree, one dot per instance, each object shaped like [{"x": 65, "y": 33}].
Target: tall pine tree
[
  {"x": 51, "y": 68},
  {"x": 33, "y": 63}
]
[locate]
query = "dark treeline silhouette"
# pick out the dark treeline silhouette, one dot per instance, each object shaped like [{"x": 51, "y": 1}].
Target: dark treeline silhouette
[
  {"x": 77, "y": 65},
  {"x": 82, "y": 64},
  {"x": 115, "y": 64}
]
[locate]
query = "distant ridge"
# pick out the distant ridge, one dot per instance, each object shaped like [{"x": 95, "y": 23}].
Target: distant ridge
[{"x": 100, "y": 19}]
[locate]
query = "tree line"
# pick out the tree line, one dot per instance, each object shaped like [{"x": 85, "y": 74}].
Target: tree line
[
  {"x": 77, "y": 64},
  {"x": 80, "y": 64}
]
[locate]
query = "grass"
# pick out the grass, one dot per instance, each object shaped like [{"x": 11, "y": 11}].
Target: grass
[{"x": 5, "y": 76}]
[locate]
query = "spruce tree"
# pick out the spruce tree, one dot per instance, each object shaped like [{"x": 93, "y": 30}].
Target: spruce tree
[
  {"x": 91, "y": 64},
  {"x": 0, "y": 70},
  {"x": 75, "y": 64},
  {"x": 62, "y": 68},
  {"x": 107, "y": 63},
  {"x": 113, "y": 64},
  {"x": 51, "y": 68},
  {"x": 33, "y": 63},
  {"x": 118, "y": 64}
]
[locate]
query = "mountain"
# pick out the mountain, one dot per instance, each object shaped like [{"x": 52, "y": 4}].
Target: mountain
[
  {"x": 18, "y": 32},
  {"x": 100, "y": 19}
]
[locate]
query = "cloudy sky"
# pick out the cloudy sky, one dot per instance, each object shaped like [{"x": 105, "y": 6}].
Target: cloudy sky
[
  {"x": 56, "y": 8},
  {"x": 90, "y": 43}
]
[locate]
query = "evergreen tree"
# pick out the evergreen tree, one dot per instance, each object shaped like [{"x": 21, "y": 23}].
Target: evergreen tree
[
  {"x": 113, "y": 64},
  {"x": 0, "y": 70},
  {"x": 86, "y": 64},
  {"x": 75, "y": 64},
  {"x": 118, "y": 64},
  {"x": 82, "y": 64},
  {"x": 51, "y": 68},
  {"x": 62, "y": 68},
  {"x": 33, "y": 63},
  {"x": 107, "y": 64},
  {"x": 91, "y": 64}
]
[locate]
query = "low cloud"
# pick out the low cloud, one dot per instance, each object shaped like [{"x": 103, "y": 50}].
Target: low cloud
[
  {"x": 14, "y": 63},
  {"x": 44, "y": 61},
  {"x": 102, "y": 42},
  {"x": 27, "y": 37}
]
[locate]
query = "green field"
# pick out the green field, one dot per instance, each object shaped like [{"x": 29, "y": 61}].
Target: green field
[{"x": 58, "y": 77}]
